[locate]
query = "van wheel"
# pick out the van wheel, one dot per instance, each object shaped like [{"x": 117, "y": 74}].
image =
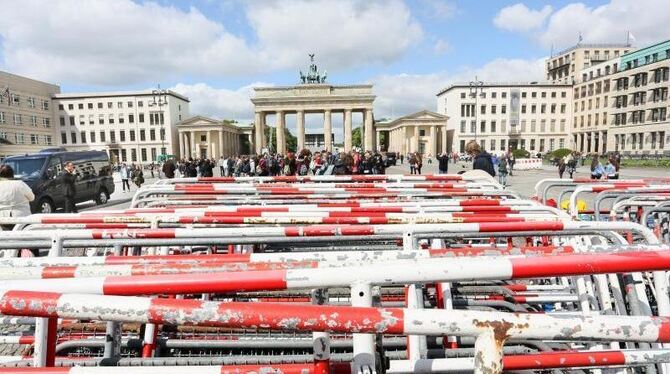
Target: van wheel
[
  {"x": 45, "y": 206},
  {"x": 101, "y": 198}
]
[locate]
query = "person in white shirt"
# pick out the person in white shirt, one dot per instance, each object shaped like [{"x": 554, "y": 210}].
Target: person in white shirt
[
  {"x": 224, "y": 172},
  {"x": 15, "y": 195}
]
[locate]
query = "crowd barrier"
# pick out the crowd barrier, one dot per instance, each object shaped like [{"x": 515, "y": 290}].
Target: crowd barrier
[{"x": 343, "y": 274}]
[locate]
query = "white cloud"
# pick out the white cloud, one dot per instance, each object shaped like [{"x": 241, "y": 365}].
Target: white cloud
[
  {"x": 220, "y": 103},
  {"x": 608, "y": 23},
  {"x": 519, "y": 17},
  {"x": 441, "y": 47},
  {"x": 122, "y": 42},
  {"x": 439, "y": 9},
  {"x": 397, "y": 95}
]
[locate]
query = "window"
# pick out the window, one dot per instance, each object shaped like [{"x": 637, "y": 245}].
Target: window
[
  {"x": 503, "y": 125},
  {"x": 45, "y": 105},
  {"x": 153, "y": 153},
  {"x": 483, "y": 109},
  {"x": 553, "y": 108},
  {"x": 61, "y": 107},
  {"x": 33, "y": 121},
  {"x": 91, "y": 119},
  {"x": 47, "y": 140},
  {"x": 493, "y": 127},
  {"x": 101, "y": 119},
  {"x": 131, "y": 118},
  {"x": 543, "y": 125},
  {"x": 62, "y": 121},
  {"x": 73, "y": 137},
  {"x": 70, "y": 106},
  {"x": 71, "y": 120},
  {"x": 523, "y": 95},
  {"x": 523, "y": 108},
  {"x": 17, "y": 119},
  {"x": 132, "y": 135},
  {"x": 544, "y": 94},
  {"x": 563, "y": 108},
  {"x": 422, "y": 132},
  {"x": 119, "y": 104},
  {"x": 152, "y": 135},
  {"x": 133, "y": 154},
  {"x": 533, "y": 94},
  {"x": 504, "y": 95},
  {"x": 482, "y": 127},
  {"x": 100, "y": 105},
  {"x": 46, "y": 122},
  {"x": 523, "y": 126},
  {"x": 141, "y": 117},
  {"x": 109, "y": 105},
  {"x": 473, "y": 126},
  {"x": 562, "y": 126},
  {"x": 503, "y": 144},
  {"x": 31, "y": 102},
  {"x": 121, "y": 119},
  {"x": 533, "y": 126},
  {"x": 552, "y": 125},
  {"x": 63, "y": 138},
  {"x": 122, "y": 135},
  {"x": 141, "y": 104},
  {"x": 80, "y": 106},
  {"x": 532, "y": 144},
  {"x": 553, "y": 95},
  {"x": 533, "y": 109},
  {"x": 111, "y": 119},
  {"x": 143, "y": 152},
  {"x": 493, "y": 144},
  {"x": 143, "y": 135},
  {"x": 112, "y": 136},
  {"x": 462, "y": 95},
  {"x": 493, "y": 109},
  {"x": 130, "y": 105},
  {"x": 82, "y": 135},
  {"x": 92, "y": 136},
  {"x": 103, "y": 137},
  {"x": 543, "y": 108},
  {"x": 493, "y": 95},
  {"x": 90, "y": 105},
  {"x": 34, "y": 139},
  {"x": 123, "y": 155},
  {"x": 462, "y": 127},
  {"x": 503, "y": 109}
]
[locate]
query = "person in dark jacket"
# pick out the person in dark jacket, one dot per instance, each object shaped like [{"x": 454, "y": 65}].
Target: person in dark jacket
[
  {"x": 443, "y": 165},
  {"x": 68, "y": 178},
  {"x": 168, "y": 169},
  {"x": 481, "y": 159}
]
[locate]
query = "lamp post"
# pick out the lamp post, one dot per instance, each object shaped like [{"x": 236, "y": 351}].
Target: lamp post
[
  {"x": 159, "y": 99},
  {"x": 475, "y": 86}
]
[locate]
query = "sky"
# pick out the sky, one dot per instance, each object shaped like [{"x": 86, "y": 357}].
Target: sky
[{"x": 215, "y": 52}]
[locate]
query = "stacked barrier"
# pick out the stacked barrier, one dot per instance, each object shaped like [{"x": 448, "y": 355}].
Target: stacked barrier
[{"x": 362, "y": 274}]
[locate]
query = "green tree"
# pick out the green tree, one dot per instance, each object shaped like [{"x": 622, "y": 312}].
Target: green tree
[
  {"x": 356, "y": 137},
  {"x": 271, "y": 137}
]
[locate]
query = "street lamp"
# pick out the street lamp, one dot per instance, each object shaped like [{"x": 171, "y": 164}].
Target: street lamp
[
  {"x": 160, "y": 100},
  {"x": 475, "y": 86}
]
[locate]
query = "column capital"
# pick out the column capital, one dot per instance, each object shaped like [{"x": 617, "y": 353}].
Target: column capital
[{"x": 328, "y": 111}]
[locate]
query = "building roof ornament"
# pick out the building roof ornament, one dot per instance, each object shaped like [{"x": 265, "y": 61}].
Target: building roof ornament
[{"x": 313, "y": 75}]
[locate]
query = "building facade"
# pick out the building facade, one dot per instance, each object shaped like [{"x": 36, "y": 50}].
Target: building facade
[
  {"x": 424, "y": 132},
  {"x": 202, "y": 137},
  {"x": 130, "y": 126},
  {"x": 567, "y": 66},
  {"x": 503, "y": 116},
  {"x": 26, "y": 115}
]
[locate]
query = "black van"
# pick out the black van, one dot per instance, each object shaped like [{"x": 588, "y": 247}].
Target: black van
[{"x": 40, "y": 171}]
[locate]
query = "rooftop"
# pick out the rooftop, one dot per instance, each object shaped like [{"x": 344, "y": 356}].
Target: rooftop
[
  {"x": 86, "y": 95},
  {"x": 504, "y": 84},
  {"x": 592, "y": 45}
]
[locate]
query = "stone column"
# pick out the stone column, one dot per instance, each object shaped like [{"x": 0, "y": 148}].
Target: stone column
[
  {"x": 259, "y": 126},
  {"x": 300, "y": 129},
  {"x": 347, "y": 130},
  {"x": 193, "y": 152},
  {"x": 220, "y": 143},
  {"x": 415, "y": 139},
  {"x": 433, "y": 140},
  {"x": 369, "y": 132},
  {"x": 215, "y": 145},
  {"x": 405, "y": 140},
  {"x": 281, "y": 140},
  {"x": 182, "y": 145},
  {"x": 378, "y": 138},
  {"x": 444, "y": 138},
  {"x": 328, "y": 130}
]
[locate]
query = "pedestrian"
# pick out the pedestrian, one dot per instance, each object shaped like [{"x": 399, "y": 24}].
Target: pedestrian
[
  {"x": 502, "y": 170},
  {"x": 402, "y": 158},
  {"x": 430, "y": 159},
  {"x": 169, "y": 168},
  {"x": 419, "y": 163},
  {"x": 222, "y": 166},
  {"x": 124, "y": 172},
  {"x": 443, "y": 163},
  {"x": 610, "y": 169},
  {"x": 152, "y": 166},
  {"x": 412, "y": 163},
  {"x": 511, "y": 160},
  {"x": 138, "y": 176},
  {"x": 561, "y": 168},
  {"x": 15, "y": 196},
  {"x": 481, "y": 158},
  {"x": 68, "y": 179},
  {"x": 597, "y": 169}
]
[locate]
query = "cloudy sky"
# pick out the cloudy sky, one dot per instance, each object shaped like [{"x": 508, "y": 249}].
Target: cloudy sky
[{"x": 215, "y": 52}]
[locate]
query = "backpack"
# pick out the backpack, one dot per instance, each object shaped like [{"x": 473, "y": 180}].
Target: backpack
[
  {"x": 246, "y": 168},
  {"x": 303, "y": 169},
  {"x": 272, "y": 163}
]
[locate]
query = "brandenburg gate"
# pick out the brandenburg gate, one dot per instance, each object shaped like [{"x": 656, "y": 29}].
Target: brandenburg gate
[{"x": 313, "y": 95}]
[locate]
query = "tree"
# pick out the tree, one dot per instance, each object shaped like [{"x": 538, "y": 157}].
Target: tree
[
  {"x": 271, "y": 136},
  {"x": 356, "y": 137}
]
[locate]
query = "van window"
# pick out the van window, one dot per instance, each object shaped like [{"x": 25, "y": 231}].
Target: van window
[
  {"x": 55, "y": 167},
  {"x": 26, "y": 167}
]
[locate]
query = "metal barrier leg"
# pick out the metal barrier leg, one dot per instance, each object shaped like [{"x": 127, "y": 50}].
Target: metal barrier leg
[
  {"x": 321, "y": 340},
  {"x": 488, "y": 352},
  {"x": 364, "y": 344},
  {"x": 417, "y": 345},
  {"x": 112, "y": 340}
]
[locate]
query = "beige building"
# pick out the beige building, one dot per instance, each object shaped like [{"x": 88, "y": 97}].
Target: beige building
[
  {"x": 313, "y": 98},
  {"x": 424, "y": 132},
  {"x": 26, "y": 115},
  {"x": 204, "y": 137},
  {"x": 566, "y": 67},
  {"x": 130, "y": 126},
  {"x": 502, "y": 116}
]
